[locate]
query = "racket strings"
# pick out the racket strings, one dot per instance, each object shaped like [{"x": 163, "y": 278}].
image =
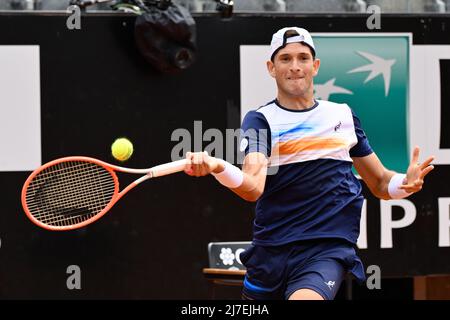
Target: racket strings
[
  {"x": 71, "y": 199},
  {"x": 69, "y": 193}
]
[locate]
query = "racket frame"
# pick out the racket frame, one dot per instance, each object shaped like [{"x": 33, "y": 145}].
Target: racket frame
[{"x": 148, "y": 173}]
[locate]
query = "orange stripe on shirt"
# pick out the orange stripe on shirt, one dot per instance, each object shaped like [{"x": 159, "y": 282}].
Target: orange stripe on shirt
[{"x": 308, "y": 144}]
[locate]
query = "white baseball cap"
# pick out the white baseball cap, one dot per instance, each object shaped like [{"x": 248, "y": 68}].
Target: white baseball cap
[{"x": 280, "y": 39}]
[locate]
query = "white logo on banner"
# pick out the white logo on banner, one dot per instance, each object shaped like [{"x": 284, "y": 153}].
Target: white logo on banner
[{"x": 20, "y": 108}]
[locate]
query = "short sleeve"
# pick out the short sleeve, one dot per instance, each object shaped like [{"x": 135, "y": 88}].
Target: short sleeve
[
  {"x": 362, "y": 148},
  {"x": 255, "y": 134}
]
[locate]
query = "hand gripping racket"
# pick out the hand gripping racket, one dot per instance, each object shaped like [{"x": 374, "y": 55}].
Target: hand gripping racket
[{"x": 72, "y": 192}]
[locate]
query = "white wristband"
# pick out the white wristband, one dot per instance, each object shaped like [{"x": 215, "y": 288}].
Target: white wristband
[
  {"x": 395, "y": 182},
  {"x": 232, "y": 177}
]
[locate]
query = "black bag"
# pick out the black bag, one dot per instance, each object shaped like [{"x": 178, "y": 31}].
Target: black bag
[{"x": 167, "y": 37}]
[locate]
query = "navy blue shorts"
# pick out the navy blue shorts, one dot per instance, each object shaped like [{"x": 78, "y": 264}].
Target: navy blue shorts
[{"x": 275, "y": 273}]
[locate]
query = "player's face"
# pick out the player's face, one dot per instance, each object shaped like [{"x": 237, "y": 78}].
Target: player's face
[{"x": 294, "y": 69}]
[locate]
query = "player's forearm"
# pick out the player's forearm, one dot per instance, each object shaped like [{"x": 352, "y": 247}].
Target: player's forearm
[
  {"x": 250, "y": 189},
  {"x": 247, "y": 183},
  {"x": 375, "y": 175},
  {"x": 382, "y": 189}
]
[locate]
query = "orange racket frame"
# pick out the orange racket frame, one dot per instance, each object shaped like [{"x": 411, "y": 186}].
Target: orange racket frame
[{"x": 153, "y": 172}]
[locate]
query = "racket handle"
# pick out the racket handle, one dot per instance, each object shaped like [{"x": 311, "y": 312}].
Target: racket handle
[{"x": 168, "y": 168}]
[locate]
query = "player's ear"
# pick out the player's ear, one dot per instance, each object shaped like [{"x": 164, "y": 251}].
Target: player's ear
[
  {"x": 316, "y": 66},
  {"x": 271, "y": 68}
]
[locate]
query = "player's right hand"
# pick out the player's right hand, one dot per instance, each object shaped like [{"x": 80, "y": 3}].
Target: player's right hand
[{"x": 201, "y": 164}]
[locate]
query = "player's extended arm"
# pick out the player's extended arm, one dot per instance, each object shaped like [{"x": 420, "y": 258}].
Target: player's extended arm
[
  {"x": 254, "y": 169},
  {"x": 251, "y": 180},
  {"x": 381, "y": 181}
]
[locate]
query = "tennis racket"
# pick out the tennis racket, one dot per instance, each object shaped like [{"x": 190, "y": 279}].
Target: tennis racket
[{"x": 72, "y": 192}]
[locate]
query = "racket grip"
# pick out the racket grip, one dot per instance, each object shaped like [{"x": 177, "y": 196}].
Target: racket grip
[{"x": 169, "y": 168}]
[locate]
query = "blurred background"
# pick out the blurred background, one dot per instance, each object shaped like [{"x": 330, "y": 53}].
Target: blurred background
[{"x": 254, "y": 6}]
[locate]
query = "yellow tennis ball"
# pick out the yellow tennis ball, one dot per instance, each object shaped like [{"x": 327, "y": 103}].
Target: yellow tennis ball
[{"x": 122, "y": 149}]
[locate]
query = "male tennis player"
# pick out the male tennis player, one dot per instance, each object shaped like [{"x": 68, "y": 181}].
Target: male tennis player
[{"x": 308, "y": 213}]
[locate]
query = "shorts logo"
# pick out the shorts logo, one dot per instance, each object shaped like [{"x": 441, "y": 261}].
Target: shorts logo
[{"x": 330, "y": 284}]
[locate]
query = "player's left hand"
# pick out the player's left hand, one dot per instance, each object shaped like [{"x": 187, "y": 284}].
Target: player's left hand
[{"x": 416, "y": 172}]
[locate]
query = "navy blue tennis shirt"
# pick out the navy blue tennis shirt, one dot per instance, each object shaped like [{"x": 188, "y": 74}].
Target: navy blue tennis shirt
[{"x": 314, "y": 193}]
